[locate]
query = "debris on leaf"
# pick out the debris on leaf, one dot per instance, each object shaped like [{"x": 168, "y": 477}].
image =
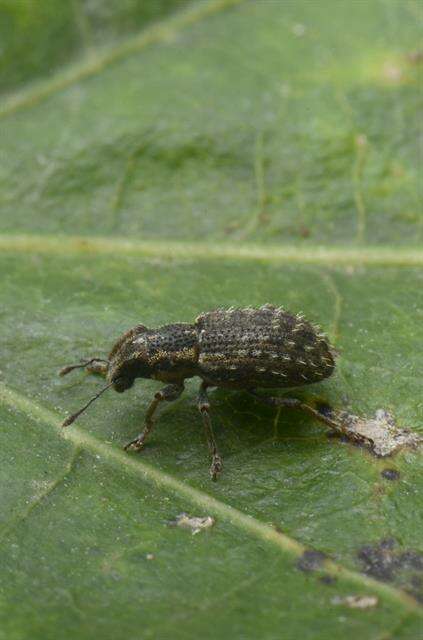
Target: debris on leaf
[
  {"x": 379, "y": 433},
  {"x": 356, "y": 602},
  {"x": 195, "y": 523}
]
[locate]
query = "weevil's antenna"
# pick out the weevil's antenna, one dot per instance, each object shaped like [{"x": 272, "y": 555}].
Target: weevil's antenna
[
  {"x": 70, "y": 368},
  {"x": 74, "y": 416}
]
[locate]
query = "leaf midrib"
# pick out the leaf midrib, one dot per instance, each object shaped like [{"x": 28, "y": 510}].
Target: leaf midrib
[
  {"x": 319, "y": 255},
  {"x": 211, "y": 505}
]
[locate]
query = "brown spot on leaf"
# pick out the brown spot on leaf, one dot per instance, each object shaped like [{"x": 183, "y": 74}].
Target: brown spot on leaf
[
  {"x": 383, "y": 562},
  {"x": 379, "y": 560},
  {"x": 311, "y": 560},
  {"x": 411, "y": 560}
]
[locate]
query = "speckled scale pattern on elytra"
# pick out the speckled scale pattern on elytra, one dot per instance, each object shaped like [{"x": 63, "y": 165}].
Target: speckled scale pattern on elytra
[{"x": 266, "y": 347}]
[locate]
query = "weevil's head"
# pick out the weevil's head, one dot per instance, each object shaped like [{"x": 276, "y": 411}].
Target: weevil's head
[{"x": 128, "y": 359}]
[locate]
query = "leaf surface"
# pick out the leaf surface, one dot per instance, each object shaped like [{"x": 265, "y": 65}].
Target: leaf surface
[{"x": 233, "y": 154}]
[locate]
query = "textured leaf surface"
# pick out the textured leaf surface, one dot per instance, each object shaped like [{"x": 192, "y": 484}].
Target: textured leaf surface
[{"x": 234, "y": 154}]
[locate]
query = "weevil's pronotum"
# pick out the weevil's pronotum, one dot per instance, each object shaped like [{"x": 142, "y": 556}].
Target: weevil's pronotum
[{"x": 244, "y": 349}]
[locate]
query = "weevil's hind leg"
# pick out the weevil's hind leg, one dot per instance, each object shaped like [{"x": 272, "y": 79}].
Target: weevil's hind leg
[
  {"x": 204, "y": 408},
  {"x": 293, "y": 403},
  {"x": 169, "y": 393},
  {"x": 95, "y": 365}
]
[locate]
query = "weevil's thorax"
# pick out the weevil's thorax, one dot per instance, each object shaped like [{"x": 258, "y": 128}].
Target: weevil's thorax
[{"x": 168, "y": 353}]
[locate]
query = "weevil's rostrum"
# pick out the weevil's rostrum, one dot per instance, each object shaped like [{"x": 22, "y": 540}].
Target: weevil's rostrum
[{"x": 234, "y": 348}]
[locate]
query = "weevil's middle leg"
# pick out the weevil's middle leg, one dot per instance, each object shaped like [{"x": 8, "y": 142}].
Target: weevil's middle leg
[
  {"x": 95, "y": 365},
  {"x": 169, "y": 393},
  {"x": 204, "y": 408},
  {"x": 294, "y": 403}
]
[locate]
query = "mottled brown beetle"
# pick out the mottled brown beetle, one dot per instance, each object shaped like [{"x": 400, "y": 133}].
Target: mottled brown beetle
[{"x": 232, "y": 348}]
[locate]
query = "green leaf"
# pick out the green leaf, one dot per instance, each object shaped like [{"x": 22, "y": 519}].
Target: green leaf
[{"x": 233, "y": 154}]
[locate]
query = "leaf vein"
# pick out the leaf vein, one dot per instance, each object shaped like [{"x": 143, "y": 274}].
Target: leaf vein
[
  {"x": 97, "y": 61},
  {"x": 370, "y": 256},
  {"x": 43, "y": 495}
]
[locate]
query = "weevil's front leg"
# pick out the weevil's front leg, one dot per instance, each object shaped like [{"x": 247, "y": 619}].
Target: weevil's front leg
[
  {"x": 204, "y": 408},
  {"x": 95, "y": 365},
  {"x": 293, "y": 403},
  {"x": 169, "y": 393}
]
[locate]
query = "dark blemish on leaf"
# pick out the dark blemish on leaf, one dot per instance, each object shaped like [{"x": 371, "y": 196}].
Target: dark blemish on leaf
[
  {"x": 390, "y": 474},
  {"x": 411, "y": 560},
  {"x": 418, "y": 595},
  {"x": 379, "y": 560},
  {"x": 335, "y": 434},
  {"x": 387, "y": 543},
  {"x": 327, "y": 579},
  {"x": 383, "y": 562},
  {"x": 311, "y": 561},
  {"x": 417, "y": 587},
  {"x": 417, "y": 581},
  {"x": 325, "y": 409}
]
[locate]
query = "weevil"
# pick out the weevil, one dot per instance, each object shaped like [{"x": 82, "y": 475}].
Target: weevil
[{"x": 245, "y": 349}]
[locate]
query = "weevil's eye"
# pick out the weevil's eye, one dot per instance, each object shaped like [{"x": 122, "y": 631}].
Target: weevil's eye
[{"x": 122, "y": 384}]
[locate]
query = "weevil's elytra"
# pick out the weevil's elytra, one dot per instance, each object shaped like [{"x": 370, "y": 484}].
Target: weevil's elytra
[{"x": 233, "y": 348}]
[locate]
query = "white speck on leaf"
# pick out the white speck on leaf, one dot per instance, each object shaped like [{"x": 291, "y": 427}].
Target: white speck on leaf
[
  {"x": 195, "y": 523},
  {"x": 299, "y": 30},
  {"x": 356, "y": 602}
]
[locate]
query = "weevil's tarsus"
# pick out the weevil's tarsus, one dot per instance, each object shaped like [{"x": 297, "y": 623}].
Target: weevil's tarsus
[
  {"x": 169, "y": 393},
  {"x": 74, "y": 416},
  {"x": 204, "y": 408},
  {"x": 95, "y": 365}
]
